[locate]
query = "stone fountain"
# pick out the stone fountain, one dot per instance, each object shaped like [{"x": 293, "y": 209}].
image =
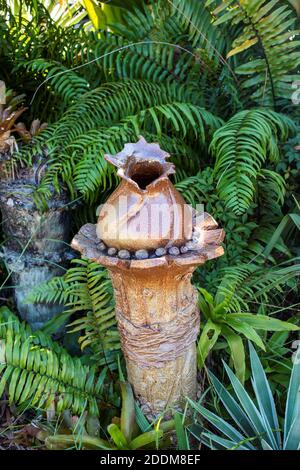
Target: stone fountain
[{"x": 151, "y": 241}]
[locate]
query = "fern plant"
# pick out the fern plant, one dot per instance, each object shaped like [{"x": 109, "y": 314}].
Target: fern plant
[
  {"x": 121, "y": 111},
  {"x": 241, "y": 147},
  {"x": 211, "y": 82},
  {"x": 85, "y": 290},
  {"x": 266, "y": 27},
  {"x": 39, "y": 373}
]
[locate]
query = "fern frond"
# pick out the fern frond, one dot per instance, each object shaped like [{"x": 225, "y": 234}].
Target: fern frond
[
  {"x": 137, "y": 23},
  {"x": 272, "y": 188},
  {"x": 91, "y": 291},
  {"x": 121, "y": 111},
  {"x": 267, "y": 31},
  {"x": 11, "y": 321},
  {"x": 241, "y": 147},
  {"x": 89, "y": 170},
  {"x": 193, "y": 190},
  {"x": 85, "y": 289},
  {"x": 111, "y": 103},
  {"x": 56, "y": 291},
  {"x": 244, "y": 285},
  {"x": 64, "y": 82},
  {"x": 196, "y": 18},
  {"x": 151, "y": 60},
  {"x": 40, "y": 375}
]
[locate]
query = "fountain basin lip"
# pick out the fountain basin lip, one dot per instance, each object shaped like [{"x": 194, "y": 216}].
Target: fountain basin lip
[
  {"x": 151, "y": 186},
  {"x": 140, "y": 158},
  {"x": 86, "y": 243}
]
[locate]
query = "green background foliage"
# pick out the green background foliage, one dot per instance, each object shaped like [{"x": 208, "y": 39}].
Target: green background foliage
[{"x": 213, "y": 83}]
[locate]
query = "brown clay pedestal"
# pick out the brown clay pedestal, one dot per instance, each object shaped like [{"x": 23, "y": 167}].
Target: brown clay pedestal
[{"x": 158, "y": 319}]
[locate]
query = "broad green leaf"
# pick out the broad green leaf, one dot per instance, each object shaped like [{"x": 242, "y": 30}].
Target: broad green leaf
[
  {"x": 233, "y": 408},
  {"x": 145, "y": 439},
  {"x": 292, "y": 441},
  {"x": 220, "y": 311},
  {"x": 141, "y": 420},
  {"x": 244, "y": 328},
  {"x": 262, "y": 322},
  {"x": 95, "y": 13},
  {"x": 225, "y": 443},
  {"x": 206, "y": 302},
  {"x": 237, "y": 352},
  {"x": 128, "y": 424},
  {"x": 292, "y": 409},
  {"x": 208, "y": 338},
  {"x": 117, "y": 436},
  {"x": 222, "y": 425},
  {"x": 246, "y": 402}
]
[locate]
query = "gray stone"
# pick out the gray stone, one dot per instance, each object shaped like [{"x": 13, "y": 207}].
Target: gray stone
[
  {"x": 141, "y": 254},
  {"x": 184, "y": 249},
  {"x": 124, "y": 254},
  {"x": 112, "y": 251},
  {"x": 101, "y": 246},
  {"x": 191, "y": 245},
  {"x": 160, "y": 251},
  {"x": 174, "y": 251}
]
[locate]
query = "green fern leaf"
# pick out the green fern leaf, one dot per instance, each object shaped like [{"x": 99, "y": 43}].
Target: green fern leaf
[
  {"x": 241, "y": 147},
  {"x": 39, "y": 373}
]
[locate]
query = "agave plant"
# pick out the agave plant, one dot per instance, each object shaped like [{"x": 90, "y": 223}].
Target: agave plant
[{"x": 257, "y": 425}]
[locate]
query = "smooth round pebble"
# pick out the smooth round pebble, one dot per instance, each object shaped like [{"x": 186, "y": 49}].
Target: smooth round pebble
[
  {"x": 160, "y": 251},
  {"x": 184, "y": 249},
  {"x": 111, "y": 251},
  {"x": 124, "y": 254},
  {"x": 174, "y": 251},
  {"x": 141, "y": 254},
  {"x": 190, "y": 245},
  {"x": 101, "y": 246}
]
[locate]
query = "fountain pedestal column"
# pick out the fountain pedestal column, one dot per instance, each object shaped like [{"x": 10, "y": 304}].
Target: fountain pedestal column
[
  {"x": 158, "y": 320},
  {"x": 156, "y": 308}
]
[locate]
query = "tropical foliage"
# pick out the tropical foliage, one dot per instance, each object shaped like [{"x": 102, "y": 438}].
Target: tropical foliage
[
  {"x": 40, "y": 373},
  {"x": 257, "y": 421},
  {"x": 214, "y": 82}
]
